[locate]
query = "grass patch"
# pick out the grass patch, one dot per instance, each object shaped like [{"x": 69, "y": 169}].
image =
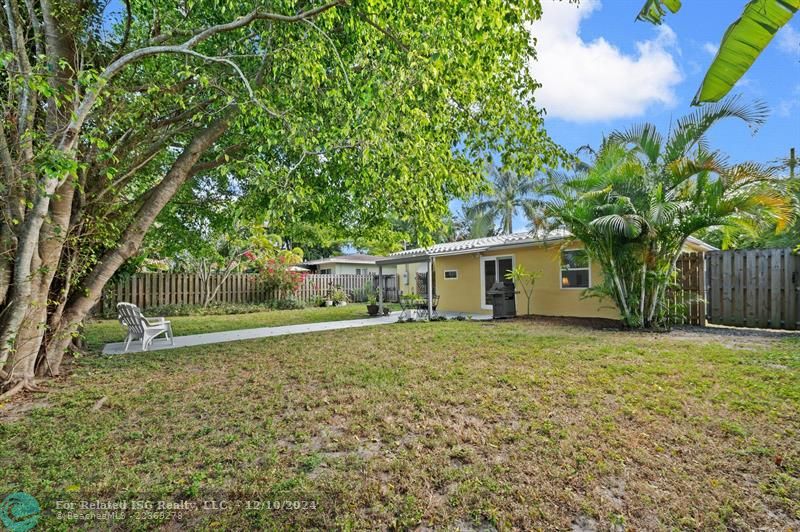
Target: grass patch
[{"x": 426, "y": 424}]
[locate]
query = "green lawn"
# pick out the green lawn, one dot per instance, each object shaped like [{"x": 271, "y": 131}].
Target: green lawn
[
  {"x": 452, "y": 424},
  {"x": 100, "y": 332}
]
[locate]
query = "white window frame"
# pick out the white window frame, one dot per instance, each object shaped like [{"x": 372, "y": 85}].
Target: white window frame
[
  {"x": 325, "y": 271},
  {"x": 446, "y": 278},
  {"x": 484, "y": 259},
  {"x": 561, "y": 270}
]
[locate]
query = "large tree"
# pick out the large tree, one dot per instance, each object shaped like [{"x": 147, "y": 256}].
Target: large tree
[
  {"x": 345, "y": 111},
  {"x": 642, "y": 195}
]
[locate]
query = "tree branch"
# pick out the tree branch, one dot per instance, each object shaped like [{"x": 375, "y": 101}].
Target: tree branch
[
  {"x": 82, "y": 112},
  {"x": 363, "y": 16}
]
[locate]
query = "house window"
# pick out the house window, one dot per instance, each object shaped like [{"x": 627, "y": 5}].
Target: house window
[
  {"x": 574, "y": 269},
  {"x": 358, "y": 271},
  {"x": 451, "y": 274},
  {"x": 325, "y": 271},
  {"x": 405, "y": 277}
]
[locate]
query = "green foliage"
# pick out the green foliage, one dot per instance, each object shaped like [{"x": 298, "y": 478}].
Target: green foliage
[
  {"x": 377, "y": 127},
  {"x": 639, "y": 199},
  {"x": 525, "y": 280},
  {"x": 337, "y": 295},
  {"x": 741, "y": 44},
  {"x": 764, "y": 235},
  {"x": 275, "y": 264}
]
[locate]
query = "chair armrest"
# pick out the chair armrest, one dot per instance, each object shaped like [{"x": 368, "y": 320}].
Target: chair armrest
[{"x": 155, "y": 321}]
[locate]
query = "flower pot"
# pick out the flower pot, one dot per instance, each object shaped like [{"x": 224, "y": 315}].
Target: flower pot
[
  {"x": 329, "y": 303},
  {"x": 372, "y": 310}
]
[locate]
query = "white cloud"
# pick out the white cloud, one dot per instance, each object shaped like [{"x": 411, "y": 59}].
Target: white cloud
[
  {"x": 787, "y": 106},
  {"x": 594, "y": 81},
  {"x": 788, "y": 40},
  {"x": 710, "y": 48}
]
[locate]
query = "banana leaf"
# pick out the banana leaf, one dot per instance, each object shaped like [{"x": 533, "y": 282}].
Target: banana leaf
[
  {"x": 653, "y": 10},
  {"x": 742, "y": 43}
]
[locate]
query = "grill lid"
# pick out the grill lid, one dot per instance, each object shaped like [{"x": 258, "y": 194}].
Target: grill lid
[{"x": 501, "y": 288}]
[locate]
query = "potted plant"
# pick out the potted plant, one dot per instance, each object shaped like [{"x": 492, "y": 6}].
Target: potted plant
[
  {"x": 339, "y": 297},
  {"x": 372, "y": 299}
]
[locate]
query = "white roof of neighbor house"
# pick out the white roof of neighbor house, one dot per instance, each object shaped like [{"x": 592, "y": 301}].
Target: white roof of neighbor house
[
  {"x": 353, "y": 258},
  {"x": 478, "y": 245}
]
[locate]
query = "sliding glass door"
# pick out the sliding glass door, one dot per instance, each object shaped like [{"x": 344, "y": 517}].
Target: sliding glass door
[{"x": 493, "y": 270}]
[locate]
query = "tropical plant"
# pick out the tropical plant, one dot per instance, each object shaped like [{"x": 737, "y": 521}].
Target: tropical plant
[
  {"x": 510, "y": 192},
  {"x": 741, "y": 44},
  {"x": 763, "y": 235},
  {"x": 639, "y": 199},
  {"x": 471, "y": 223},
  {"x": 524, "y": 279}
]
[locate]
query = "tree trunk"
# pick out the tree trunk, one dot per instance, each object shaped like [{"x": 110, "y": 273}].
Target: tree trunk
[{"x": 130, "y": 241}]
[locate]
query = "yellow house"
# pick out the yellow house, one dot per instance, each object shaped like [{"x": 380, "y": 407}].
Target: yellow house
[{"x": 464, "y": 271}]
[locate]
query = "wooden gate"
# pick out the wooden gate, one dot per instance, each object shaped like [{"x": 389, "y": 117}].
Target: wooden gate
[{"x": 754, "y": 288}]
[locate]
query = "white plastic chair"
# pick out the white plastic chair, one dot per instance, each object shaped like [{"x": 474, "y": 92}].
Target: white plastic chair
[{"x": 141, "y": 328}]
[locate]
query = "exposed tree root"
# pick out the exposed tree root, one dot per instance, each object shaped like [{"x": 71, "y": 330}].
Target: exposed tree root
[{"x": 24, "y": 385}]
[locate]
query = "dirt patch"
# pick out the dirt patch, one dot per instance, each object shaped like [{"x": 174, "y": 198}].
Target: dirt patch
[
  {"x": 717, "y": 331},
  {"x": 20, "y": 409},
  {"x": 562, "y": 321}
]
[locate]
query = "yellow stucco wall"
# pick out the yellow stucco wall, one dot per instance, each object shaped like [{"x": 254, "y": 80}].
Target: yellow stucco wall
[{"x": 549, "y": 299}]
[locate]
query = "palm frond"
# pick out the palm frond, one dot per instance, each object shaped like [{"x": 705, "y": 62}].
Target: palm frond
[
  {"x": 690, "y": 129},
  {"x": 645, "y": 138},
  {"x": 629, "y": 225}
]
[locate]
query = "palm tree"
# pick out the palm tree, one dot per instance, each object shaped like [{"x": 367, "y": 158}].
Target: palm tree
[
  {"x": 471, "y": 223},
  {"x": 510, "y": 192},
  {"x": 641, "y": 196}
]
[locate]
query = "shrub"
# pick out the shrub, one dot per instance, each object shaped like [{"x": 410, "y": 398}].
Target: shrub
[{"x": 288, "y": 303}]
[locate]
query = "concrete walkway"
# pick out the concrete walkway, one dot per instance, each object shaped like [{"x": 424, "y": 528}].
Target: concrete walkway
[{"x": 261, "y": 332}]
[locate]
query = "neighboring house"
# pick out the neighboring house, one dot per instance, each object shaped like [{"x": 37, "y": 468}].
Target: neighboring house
[
  {"x": 465, "y": 270},
  {"x": 354, "y": 264}
]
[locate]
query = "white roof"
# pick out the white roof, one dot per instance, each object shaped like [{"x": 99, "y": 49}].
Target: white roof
[
  {"x": 353, "y": 258},
  {"x": 477, "y": 245}
]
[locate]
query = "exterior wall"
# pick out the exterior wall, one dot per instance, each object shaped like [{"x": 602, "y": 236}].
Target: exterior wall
[
  {"x": 407, "y": 274},
  {"x": 549, "y": 299}
]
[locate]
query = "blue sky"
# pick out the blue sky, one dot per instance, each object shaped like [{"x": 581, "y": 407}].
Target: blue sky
[{"x": 602, "y": 70}]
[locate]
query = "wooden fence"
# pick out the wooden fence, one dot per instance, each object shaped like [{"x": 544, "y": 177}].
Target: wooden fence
[
  {"x": 687, "y": 300},
  {"x": 147, "y": 290},
  {"x": 754, "y": 288}
]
